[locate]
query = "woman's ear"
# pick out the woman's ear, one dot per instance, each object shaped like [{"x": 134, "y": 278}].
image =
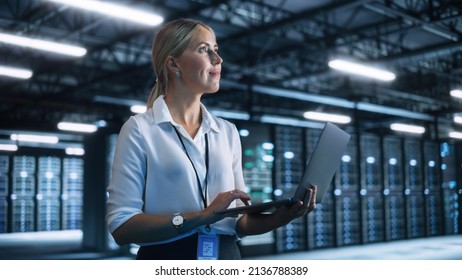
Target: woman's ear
[{"x": 171, "y": 64}]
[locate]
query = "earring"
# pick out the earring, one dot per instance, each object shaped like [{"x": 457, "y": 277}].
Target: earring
[{"x": 178, "y": 74}]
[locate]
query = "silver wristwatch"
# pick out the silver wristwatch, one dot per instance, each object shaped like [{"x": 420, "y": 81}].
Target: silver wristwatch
[{"x": 177, "y": 220}]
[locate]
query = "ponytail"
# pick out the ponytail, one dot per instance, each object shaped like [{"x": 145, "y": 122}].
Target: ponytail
[{"x": 155, "y": 92}]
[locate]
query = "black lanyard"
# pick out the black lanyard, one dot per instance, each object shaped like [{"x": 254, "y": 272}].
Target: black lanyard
[{"x": 202, "y": 191}]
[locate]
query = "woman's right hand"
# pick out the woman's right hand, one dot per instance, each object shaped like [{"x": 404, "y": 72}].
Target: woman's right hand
[{"x": 222, "y": 202}]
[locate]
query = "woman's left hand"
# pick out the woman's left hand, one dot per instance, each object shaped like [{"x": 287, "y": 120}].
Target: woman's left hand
[{"x": 285, "y": 214}]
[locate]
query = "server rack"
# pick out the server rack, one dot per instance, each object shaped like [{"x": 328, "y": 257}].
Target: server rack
[
  {"x": 4, "y": 169},
  {"x": 415, "y": 211},
  {"x": 432, "y": 189},
  {"x": 48, "y": 193},
  {"x": 258, "y": 162},
  {"x": 395, "y": 215},
  {"x": 22, "y": 195},
  {"x": 347, "y": 201},
  {"x": 449, "y": 188},
  {"x": 72, "y": 193},
  {"x": 372, "y": 202},
  {"x": 321, "y": 229},
  {"x": 288, "y": 173}
]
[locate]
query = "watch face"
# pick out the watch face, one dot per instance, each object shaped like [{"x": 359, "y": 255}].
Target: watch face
[{"x": 177, "y": 220}]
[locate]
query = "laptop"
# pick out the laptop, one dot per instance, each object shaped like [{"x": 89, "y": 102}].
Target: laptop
[{"x": 319, "y": 171}]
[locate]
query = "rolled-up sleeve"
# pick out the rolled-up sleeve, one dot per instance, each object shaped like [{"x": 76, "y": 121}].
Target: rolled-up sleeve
[{"x": 127, "y": 183}]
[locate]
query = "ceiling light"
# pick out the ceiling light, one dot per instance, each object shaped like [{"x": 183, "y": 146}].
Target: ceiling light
[
  {"x": 334, "y": 101},
  {"x": 34, "y": 138},
  {"x": 75, "y": 151},
  {"x": 235, "y": 115},
  {"x": 138, "y": 109},
  {"x": 458, "y": 119},
  {"x": 114, "y": 10},
  {"x": 42, "y": 45},
  {"x": 362, "y": 70},
  {"x": 375, "y": 108},
  {"x": 13, "y": 72},
  {"x": 77, "y": 127},
  {"x": 327, "y": 117},
  {"x": 455, "y": 134},
  {"x": 407, "y": 128},
  {"x": 289, "y": 121},
  {"x": 456, "y": 93},
  {"x": 8, "y": 147}
]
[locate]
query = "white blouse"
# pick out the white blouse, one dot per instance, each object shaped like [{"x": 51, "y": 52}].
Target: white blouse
[{"x": 151, "y": 172}]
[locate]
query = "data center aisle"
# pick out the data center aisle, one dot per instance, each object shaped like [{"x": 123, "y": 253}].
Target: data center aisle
[{"x": 66, "y": 245}]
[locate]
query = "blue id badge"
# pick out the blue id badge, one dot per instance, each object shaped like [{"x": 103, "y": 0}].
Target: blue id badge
[{"x": 207, "y": 247}]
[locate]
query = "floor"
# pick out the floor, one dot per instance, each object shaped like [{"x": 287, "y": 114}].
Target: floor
[
  {"x": 67, "y": 245},
  {"x": 431, "y": 248}
]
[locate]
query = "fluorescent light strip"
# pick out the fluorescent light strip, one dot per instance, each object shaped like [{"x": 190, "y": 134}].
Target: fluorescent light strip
[
  {"x": 368, "y": 107},
  {"x": 456, "y": 93},
  {"x": 77, "y": 127},
  {"x": 407, "y": 128},
  {"x": 19, "y": 73},
  {"x": 234, "y": 115},
  {"x": 34, "y": 138},
  {"x": 327, "y": 117},
  {"x": 339, "y": 102},
  {"x": 362, "y": 70},
  {"x": 304, "y": 96},
  {"x": 8, "y": 147},
  {"x": 458, "y": 119},
  {"x": 75, "y": 151},
  {"x": 289, "y": 121},
  {"x": 114, "y": 10},
  {"x": 455, "y": 134},
  {"x": 42, "y": 45}
]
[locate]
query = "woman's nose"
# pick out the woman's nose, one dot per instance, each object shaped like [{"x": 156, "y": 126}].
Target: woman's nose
[{"x": 216, "y": 58}]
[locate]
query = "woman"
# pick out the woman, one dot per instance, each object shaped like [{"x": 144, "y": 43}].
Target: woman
[{"x": 176, "y": 165}]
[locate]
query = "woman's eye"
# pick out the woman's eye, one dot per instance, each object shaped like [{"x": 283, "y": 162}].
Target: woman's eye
[{"x": 203, "y": 49}]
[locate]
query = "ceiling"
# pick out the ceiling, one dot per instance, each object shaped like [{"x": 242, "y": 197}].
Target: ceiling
[{"x": 275, "y": 55}]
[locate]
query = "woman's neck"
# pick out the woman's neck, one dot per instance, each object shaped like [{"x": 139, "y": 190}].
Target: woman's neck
[{"x": 185, "y": 111}]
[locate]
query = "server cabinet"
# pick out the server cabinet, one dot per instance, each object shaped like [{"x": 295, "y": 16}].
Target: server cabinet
[
  {"x": 49, "y": 176},
  {"x": 432, "y": 189},
  {"x": 371, "y": 190},
  {"x": 23, "y": 176},
  {"x": 257, "y": 161},
  {"x": 450, "y": 188},
  {"x": 3, "y": 214},
  {"x": 48, "y": 194},
  {"x": 23, "y": 192},
  {"x": 288, "y": 172},
  {"x": 72, "y": 193},
  {"x": 321, "y": 225},
  {"x": 4, "y": 169},
  {"x": 23, "y": 214},
  {"x": 348, "y": 206},
  {"x": 415, "y": 211},
  {"x": 395, "y": 214},
  {"x": 48, "y": 213}
]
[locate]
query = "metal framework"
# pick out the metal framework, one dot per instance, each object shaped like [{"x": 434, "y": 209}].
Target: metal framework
[{"x": 281, "y": 44}]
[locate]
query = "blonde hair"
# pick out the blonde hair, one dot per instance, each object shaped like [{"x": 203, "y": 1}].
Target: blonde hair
[{"x": 172, "y": 39}]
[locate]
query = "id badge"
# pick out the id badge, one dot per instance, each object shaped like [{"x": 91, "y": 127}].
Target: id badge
[{"x": 207, "y": 247}]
